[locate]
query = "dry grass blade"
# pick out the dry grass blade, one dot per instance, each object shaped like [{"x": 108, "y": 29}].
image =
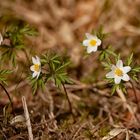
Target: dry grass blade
[
  {"x": 122, "y": 96},
  {"x": 113, "y": 133},
  {"x": 17, "y": 119},
  {"x": 27, "y": 117}
]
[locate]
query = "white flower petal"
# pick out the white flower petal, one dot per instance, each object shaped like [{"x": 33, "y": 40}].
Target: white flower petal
[
  {"x": 91, "y": 49},
  {"x": 38, "y": 74},
  {"x": 125, "y": 77},
  {"x": 117, "y": 80},
  {"x": 34, "y": 74},
  {"x": 86, "y": 42},
  {"x": 39, "y": 71},
  {"x": 1, "y": 39},
  {"x": 126, "y": 69},
  {"x": 32, "y": 68},
  {"x": 89, "y": 36},
  {"x": 98, "y": 42},
  {"x": 38, "y": 60},
  {"x": 119, "y": 64},
  {"x": 34, "y": 60},
  {"x": 110, "y": 75},
  {"x": 94, "y": 38},
  {"x": 113, "y": 67}
]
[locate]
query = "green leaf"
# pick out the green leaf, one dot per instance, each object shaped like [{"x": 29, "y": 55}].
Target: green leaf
[
  {"x": 58, "y": 82},
  {"x": 134, "y": 77},
  {"x": 129, "y": 60},
  {"x": 36, "y": 83},
  {"x": 136, "y": 69},
  {"x": 100, "y": 33},
  {"x": 107, "y": 65},
  {"x": 102, "y": 55},
  {"x": 117, "y": 57},
  {"x": 62, "y": 68},
  {"x": 114, "y": 88},
  {"x": 56, "y": 69},
  {"x": 3, "y": 74},
  {"x": 48, "y": 76},
  {"x": 28, "y": 30},
  {"x": 110, "y": 51}
]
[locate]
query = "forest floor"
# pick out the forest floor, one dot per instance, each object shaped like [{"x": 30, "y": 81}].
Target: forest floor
[{"x": 97, "y": 115}]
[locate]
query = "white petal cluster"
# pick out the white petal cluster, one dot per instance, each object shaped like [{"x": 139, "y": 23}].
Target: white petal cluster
[
  {"x": 92, "y": 42},
  {"x": 1, "y": 39},
  {"x": 36, "y": 67},
  {"x": 119, "y": 72}
]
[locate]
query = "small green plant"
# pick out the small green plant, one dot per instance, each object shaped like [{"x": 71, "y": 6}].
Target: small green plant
[
  {"x": 53, "y": 68},
  {"x": 13, "y": 41},
  {"x": 3, "y": 83},
  {"x": 50, "y": 67},
  {"x": 119, "y": 73},
  {"x": 107, "y": 57}
]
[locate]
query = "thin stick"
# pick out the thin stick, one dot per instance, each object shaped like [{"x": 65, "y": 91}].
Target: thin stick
[
  {"x": 121, "y": 94},
  {"x": 28, "y": 122},
  {"x": 135, "y": 94},
  {"x": 3, "y": 134},
  {"x": 51, "y": 109},
  {"x": 99, "y": 125},
  {"x": 77, "y": 131},
  {"x": 66, "y": 93},
  {"x": 8, "y": 98}
]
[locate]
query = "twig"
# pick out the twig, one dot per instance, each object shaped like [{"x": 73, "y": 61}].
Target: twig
[
  {"x": 78, "y": 130},
  {"x": 20, "y": 85},
  {"x": 51, "y": 109},
  {"x": 66, "y": 93},
  {"x": 8, "y": 98},
  {"x": 99, "y": 124},
  {"x": 28, "y": 122},
  {"x": 3, "y": 134},
  {"x": 121, "y": 94},
  {"x": 135, "y": 94}
]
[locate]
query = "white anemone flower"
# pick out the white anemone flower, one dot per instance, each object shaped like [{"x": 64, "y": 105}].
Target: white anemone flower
[
  {"x": 119, "y": 72},
  {"x": 92, "y": 42},
  {"x": 36, "y": 67},
  {"x": 1, "y": 39}
]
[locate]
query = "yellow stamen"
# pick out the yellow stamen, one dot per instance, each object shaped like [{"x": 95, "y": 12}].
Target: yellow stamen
[
  {"x": 92, "y": 42},
  {"x": 119, "y": 72},
  {"x": 36, "y": 67}
]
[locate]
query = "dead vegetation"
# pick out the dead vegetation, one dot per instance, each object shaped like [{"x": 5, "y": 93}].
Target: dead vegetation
[{"x": 61, "y": 25}]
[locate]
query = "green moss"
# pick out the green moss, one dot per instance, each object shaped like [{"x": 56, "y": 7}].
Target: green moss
[
  {"x": 88, "y": 134},
  {"x": 104, "y": 131}
]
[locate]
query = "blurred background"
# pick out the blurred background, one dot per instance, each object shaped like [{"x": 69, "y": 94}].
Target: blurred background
[{"x": 62, "y": 25}]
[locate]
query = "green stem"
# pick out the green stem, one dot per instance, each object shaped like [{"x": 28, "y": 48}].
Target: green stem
[
  {"x": 66, "y": 93},
  {"x": 8, "y": 97}
]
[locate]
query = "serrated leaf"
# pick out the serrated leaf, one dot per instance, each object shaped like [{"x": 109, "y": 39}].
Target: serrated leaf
[
  {"x": 117, "y": 57},
  {"x": 136, "y": 69},
  {"x": 102, "y": 56},
  {"x": 113, "y": 90},
  {"x": 129, "y": 60}
]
